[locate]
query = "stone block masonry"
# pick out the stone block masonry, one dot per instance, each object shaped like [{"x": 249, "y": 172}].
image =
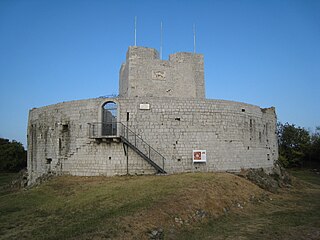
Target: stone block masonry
[
  {"x": 235, "y": 135},
  {"x": 144, "y": 74}
]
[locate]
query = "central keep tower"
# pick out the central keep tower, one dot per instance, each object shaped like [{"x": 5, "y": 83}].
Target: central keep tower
[{"x": 144, "y": 74}]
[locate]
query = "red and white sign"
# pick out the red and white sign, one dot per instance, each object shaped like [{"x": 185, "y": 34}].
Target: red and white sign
[{"x": 199, "y": 156}]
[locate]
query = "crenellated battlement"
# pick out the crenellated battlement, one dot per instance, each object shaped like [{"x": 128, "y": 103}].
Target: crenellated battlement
[
  {"x": 145, "y": 74},
  {"x": 185, "y": 57},
  {"x": 142, "y": 53}
]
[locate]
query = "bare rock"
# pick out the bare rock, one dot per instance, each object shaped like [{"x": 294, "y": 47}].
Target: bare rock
[{"x": 277, "y": 178}]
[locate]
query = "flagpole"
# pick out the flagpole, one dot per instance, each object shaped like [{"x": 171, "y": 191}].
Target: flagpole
[
  {"x": 135, "y": 31},
  {"x": 194, "y": 38},
  {"x": 161, "y": 40}
]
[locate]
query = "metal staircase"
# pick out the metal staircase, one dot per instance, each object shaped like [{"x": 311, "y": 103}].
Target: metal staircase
[{"x": 129, "y": 138}]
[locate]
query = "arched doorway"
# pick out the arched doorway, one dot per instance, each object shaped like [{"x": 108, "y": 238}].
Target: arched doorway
[{"x": 109, "y": 119}]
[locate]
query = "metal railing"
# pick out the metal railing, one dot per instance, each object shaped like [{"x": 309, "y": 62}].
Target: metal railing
[
  {"x": 118, "y": 129},
  {"x": 103, "y": 130}
]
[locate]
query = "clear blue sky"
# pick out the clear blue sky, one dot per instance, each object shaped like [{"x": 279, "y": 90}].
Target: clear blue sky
[{"x": 265, "y": 52}]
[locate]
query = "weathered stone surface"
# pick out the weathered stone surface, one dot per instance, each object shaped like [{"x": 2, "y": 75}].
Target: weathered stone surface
[
  {"x": 156, "y": 234},
  {"x": 235, "y": 135},
  {"x": 145, "y": 75},
  {"x": 21, "y": 180},
  {"x": 270, "y": 180}
]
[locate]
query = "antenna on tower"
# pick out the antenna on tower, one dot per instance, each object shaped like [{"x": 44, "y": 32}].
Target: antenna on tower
[
  {"x": 135, "y": 31},
  {"x": 194, "y": 38},
  {"x": 161, "y": 40}
]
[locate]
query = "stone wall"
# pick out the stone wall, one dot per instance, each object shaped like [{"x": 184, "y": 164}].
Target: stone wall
[
  {"x": 235, "y": 135},
  {"x": 144, "y": 74},
  {"x": 58, "y": 141}
]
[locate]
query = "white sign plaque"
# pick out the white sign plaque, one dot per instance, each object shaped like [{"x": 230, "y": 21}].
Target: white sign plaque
[
  {"x": 144, "y": 106},
  {"x": 199, "y": 156}
]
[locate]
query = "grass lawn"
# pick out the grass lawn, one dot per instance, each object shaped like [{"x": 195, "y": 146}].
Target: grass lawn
[
  {"x": 184, "y": 206},
  {"x": 5, "y": 180},
  {"x": 292, "y": 214}
]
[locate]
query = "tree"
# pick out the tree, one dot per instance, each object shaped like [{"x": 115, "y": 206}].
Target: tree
[
  {"x": 294, "y": 145},
  {"x": 315, "y": 148},
  {"x": 13, "y": 156}
]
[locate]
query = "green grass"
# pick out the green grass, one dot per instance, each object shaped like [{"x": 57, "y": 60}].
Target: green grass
[
  {"x": 68, "y": 207},
  {"x": 293, "y": 214},
  {"x": 6, "y": 178},
  {"x": 307, "y": 175},
  {"x": 101, "y": 208},
  {"x": 5, "y": 181}
]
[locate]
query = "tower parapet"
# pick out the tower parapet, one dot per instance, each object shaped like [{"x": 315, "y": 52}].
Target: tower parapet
[
  {"x": 145, "y": 75},
  {"x": 142, "y": 53}
]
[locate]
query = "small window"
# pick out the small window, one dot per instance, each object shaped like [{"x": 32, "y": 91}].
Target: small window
[
  {"x": 65, "y": 127},
  {"x": 48, "y": 160}
]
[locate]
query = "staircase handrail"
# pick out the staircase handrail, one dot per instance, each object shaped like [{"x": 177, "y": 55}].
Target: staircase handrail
[
  {"x": 122, "y": 131},
  {"x": 136, "y": 135}
]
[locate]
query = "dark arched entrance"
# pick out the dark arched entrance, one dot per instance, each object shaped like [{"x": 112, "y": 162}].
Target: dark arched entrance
[{"x": 109, "y": 119}]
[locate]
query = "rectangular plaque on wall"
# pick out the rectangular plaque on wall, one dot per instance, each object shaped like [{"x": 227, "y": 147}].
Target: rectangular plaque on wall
[
  {"x": 199, "y": 156},
  {"x": 144, "y": 106}
]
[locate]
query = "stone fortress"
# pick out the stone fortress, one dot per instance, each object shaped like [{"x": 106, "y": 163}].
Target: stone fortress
[{"x": 161, "y": 122}]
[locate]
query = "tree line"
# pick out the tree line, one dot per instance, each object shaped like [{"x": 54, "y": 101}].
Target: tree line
[
  {"x": 297, "y": 146},
  {"x": 13, "y": 156}
]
